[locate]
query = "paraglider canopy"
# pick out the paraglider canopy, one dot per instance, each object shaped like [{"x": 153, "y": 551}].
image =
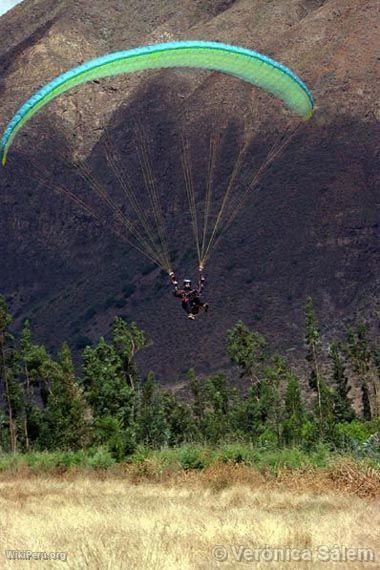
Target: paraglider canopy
[
  {"x": 248, "y": 65},
  {"x": 149, "y": 234}
]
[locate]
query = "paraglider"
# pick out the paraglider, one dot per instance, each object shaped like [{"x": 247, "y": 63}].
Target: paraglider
[
  {"x": 190, "y": 296},
  {"x": 147, "y": 233}
]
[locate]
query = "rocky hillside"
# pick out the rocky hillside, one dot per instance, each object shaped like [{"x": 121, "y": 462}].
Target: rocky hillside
[{"x": 310, "y": 229}]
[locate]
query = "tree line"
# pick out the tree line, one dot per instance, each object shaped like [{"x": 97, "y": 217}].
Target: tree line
[{"x": 45, "y": 404}]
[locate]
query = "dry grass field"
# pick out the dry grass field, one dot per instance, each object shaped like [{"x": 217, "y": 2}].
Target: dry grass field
[{"x": 112, "y": 521}]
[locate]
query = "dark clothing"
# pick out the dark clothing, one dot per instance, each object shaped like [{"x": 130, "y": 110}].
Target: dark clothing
[
  {"x": 191, "y": 301},
  {"x": 190, "y": 296}
]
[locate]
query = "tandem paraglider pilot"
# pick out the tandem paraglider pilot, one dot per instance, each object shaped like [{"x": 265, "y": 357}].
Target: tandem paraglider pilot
[{"x": 190, "y": 296}]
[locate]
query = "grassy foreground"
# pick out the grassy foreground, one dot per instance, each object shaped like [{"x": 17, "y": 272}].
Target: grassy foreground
[
  {"x": 113, "y": 522},
  {"x": 171, "y": 508}
]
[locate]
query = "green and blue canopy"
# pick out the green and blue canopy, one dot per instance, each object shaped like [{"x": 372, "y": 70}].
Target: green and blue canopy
[{"x": 245, "y": 64}]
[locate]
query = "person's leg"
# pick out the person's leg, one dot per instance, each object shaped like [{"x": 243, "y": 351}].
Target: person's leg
[{"x": 189, "y": 308}]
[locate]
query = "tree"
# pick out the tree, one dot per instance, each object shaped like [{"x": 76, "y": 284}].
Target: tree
[
  {"x": 247, "y": 349},
  {"x": 343, "y": 411},
  {"x": 109, "y": 392},
  {"x": 127, "y": 341},
  {"x": 103, "y": 380},
  {"x": 313, "y": 356},
  {"x": 180, "y": 420},
  {"x": 253, "y": 414},
  {"x": 237, "y": 416},
  {"x": 215, "y": 425},
  {"x": 65, "y": 422},
  {"x": 376, "y": 375},
  {"x": 31, "y": 359},
  {"x": 274, "y": 377},
  {"x": 6, "y": 373},
  {"x": 294, "y": 413},
  {"x": 358, "y": 350},
  {"x": 153, "y": 427},
  {"x": 198, "y": 395}
]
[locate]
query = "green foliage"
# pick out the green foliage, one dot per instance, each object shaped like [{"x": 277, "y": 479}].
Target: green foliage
[
  {"x": 147, "y": 461},
  {"x": 274, "y": 378},
  {"x": 268, "y": 439},
  {"x": 5, "y": 316},
  {"x": 198, "y": 395},
  {"x": 323, "y": 409},
  {"x": 109, "y": 379},
  {"x": 64, "y": 424},
  {"x": 247, "y": 349},
  {"x": 356, "y": 431},
  {"x": 343, "y": 410},
  {"x": 371, "y": 447},
  {"x": 105, "y": 386},
  {"x": 9, "y": 385},
  {"x": 152, "y": 421},
  {"x": 181, "y": 424},
  {"x": 294, "y": 413},
  {"x": 127, "y": 338},
  {"x": 192, "y": 458},
  {"x": 37, "y": 462},
  {"x": 309, "y": 435},
  {"x": 109, "y": 433},
  {"x": 215, "y": 425},
  {"x": 360, "y": 438},
  {"x": 313, "y": 343},
  {"x": 101, "y": 459},
  {"x": 112, "y": 415},
  {"x": 358, "y": 350}
]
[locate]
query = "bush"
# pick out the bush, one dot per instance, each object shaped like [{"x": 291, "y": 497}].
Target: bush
[
  {"x": 371, "y": 447},
  {"x": 234, "y": 453},
  {"x": 101, "y": 459},
  {"x": 44, "y": 461},
  {"x": 309, "y": 435},
  {"x": 191, "y": 458},
  {"x": 268, "y": 439},
  {"x": 109, "y": 434},
  {"x": 351, "y": 433}
]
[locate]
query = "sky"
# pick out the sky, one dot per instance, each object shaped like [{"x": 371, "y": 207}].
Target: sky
[{"x": 6, "y": 5}]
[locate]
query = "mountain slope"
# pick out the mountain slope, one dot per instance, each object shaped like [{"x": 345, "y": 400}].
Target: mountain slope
[{"x": 311, "y": 228}]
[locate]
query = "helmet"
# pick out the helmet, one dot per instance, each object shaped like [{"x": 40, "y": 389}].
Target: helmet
[{"x": 187, "y": 283}]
